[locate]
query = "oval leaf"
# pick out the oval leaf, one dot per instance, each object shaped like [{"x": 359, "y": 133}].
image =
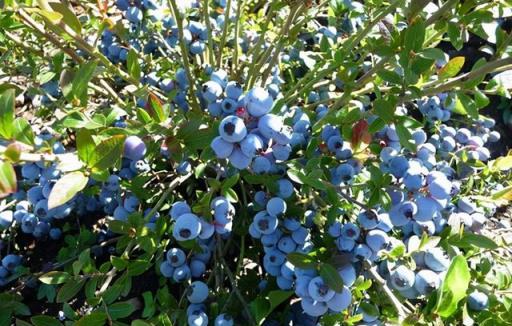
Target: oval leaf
[
  {"x": 331, "y": 276},
  {"x": 452, "y": 68},
  {"x": 6, "y": 113},
  {"x": 66, "y": 188},
  {"x": 54, "y": 277},
  {"x": 7, "y": 179},
  {"x": 454, "y": 287}
]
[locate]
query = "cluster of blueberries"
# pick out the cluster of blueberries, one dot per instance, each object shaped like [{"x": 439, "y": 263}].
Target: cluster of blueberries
[
  {"x": 188, "y": 226},
  {"x": 249, "y": 136},
  {"x": 197, "y": 293}
]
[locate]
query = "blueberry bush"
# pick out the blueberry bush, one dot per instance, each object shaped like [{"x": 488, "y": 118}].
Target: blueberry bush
[{"x": 233, "y": 162}]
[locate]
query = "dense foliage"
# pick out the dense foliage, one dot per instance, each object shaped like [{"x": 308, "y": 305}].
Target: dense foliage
[{"x": 229, "y": 162}]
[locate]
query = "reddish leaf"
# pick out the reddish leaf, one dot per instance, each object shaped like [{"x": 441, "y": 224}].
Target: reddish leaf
[
  {"x": 7, "y": 179},
  {"x": 360, "y": 134}
]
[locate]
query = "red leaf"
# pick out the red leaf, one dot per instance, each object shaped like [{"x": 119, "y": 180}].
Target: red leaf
[{"x": 360, "y": 134}]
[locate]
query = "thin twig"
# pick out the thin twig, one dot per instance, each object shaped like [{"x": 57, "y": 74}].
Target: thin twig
[{"x": 401, "y": 310}]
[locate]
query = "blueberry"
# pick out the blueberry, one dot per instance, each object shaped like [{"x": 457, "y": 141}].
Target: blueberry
[
  {"x": 121, "y": 214},
  {"x": 478, "y": 301},
  {"x": 398, "y": 166},
  {"x": 134, "y": 15},
  {"x": 276, "y": 206},
  {"x": 239, "y": 160},
  {"x": 179, "y": 208},
  {"x": 221, "y": 148},
  {"x": 220, "y": 76},
  {"x": 229, "y": 106},
  {"x": 166, "y": 269},
  {"x": 224, "y": 320},
  {"x": 184, "y": 168},
  {"x": 270, "y": 125},
  {"x": 232, "y": 129},
  {"x": 313, "y": 308},
  {"x": 285, "y": 188},
  {"x": 187, "y": 227},
  {"x": 198, "y": 319},
  {"x": 181, "y": 273},
  {"x": 6, "y": 218},
  {"x": 261, "y": 165},
  {"x": 377, "y": 240},
  {"x": 402, "y": 278},
  {"x": 10, "y": 262},
  {"x": 233, "y": 90},
  {"x": 426, "y": 281},
  {"x": 368, "y": 219},
  {"x": 258, "y": 102},
  {"x": 340, "y": 301},
  {"x": 197, "y": 292},
  {"x": 55, "y": 233},
  {"x": 319, "y": 290},
  {"x": 436, "y": 260},
  {"x": 403, "y": 213},
  {"x": 197, "y": 268},
  {"x": 211, "y": 91},
  {"x": 134, "y": 148},
  {"x": 130, "y": 204},
  {"x": 264, "y": 223},
  {"x": 427, "y": 209},
  {"x": 440, "y": 187},
  {"x": 286, "y": 244},
  {"x": 251, "y": 145},
  {"x": 30, "y": 171}
]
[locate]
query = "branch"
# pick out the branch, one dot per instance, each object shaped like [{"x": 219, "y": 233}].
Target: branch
[
  {"x": 173, "y": 185},
  {"x": 184, "y": 53},
  {"x": 237, "y": 292},
  {"x": 401, "y": 310}
]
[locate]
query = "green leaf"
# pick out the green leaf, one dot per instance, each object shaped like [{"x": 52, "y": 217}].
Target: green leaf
[
  {"x": 93, "y": 319},
  {"x": 121, "y": 309},
  {"x": 118, "y": 263},
  {"x": 52, "y": 16},
  {"x": 467, "y": 105},
  {"x": 503, "y": 194},
  {"x": 132, "y": 62},
  {"x": 260, "y": 309},
  {"x": 454, "y": 287},
  {"x": 23, "y": 131},
  {"x": 405, "y": 137},
  {"x": 331, "y": 277},
  {"x": 390, "y": 76},
  {"x": 8, "y": 183},
  {"x": 54, "y": 277},
  {"x": 415, "y": 36},
  {"x": 85, "y": 145},
  {"x": 68, "y": 16},
  {"x": 156, "y": 110},
  {"x": 138, "y": 267},
  {"x": 81, "y": 80},
  {"x": 66, "y": 188},
  {"x": 385, "y": 109},
  {"x": 467, "y": 240},
  {"x": 7, "y": 113},
  {"x": 70, "y": 289},
  {"x": 455, "y": 35},
  {"x": 231, "y": 195},
  {"x": 230, "y": 182},
  {"x": 452, "y": 68},
  {"x": 277, "y": 297},
  {"x": 42, "y": 320},
  {"x": 302, "y": 260},
  {"x": 149, "y": 305},
  {"x": 108, "y": 153}
]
